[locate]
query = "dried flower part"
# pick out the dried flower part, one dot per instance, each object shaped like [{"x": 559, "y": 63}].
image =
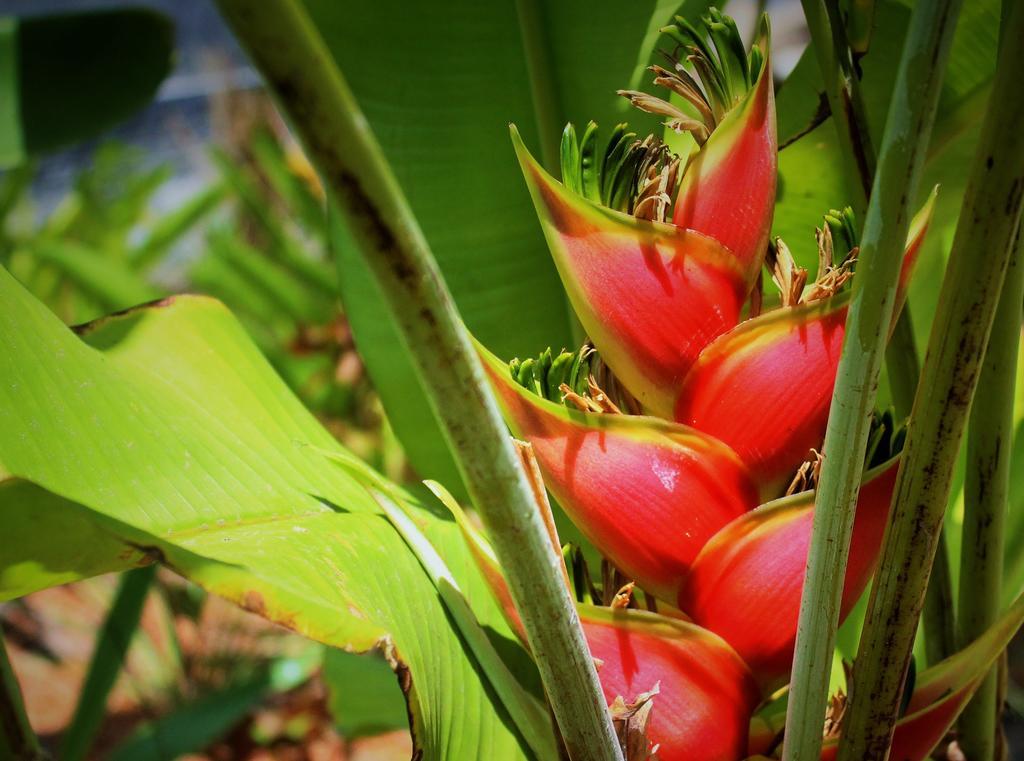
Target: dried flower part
[
  {"x": 678, "y": 119},
  {"x": 623, "y": 598},
  {"x": 631, "y": 721},
  {"x": 806, "y": 477},
  {"x": 788, "y": 276},
  {"x": 791, "y": 279},
  {"x": 617, "y": 177},
  {"x": 654, "y": 198},
  {"x": 834, "y": 714}
]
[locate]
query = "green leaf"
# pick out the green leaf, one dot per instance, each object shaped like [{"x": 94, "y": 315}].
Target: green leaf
[
  {"x": 167, "y": 437},
  {"x": 363, "y": 696},
  {"x": 290, "y": 252},
  {"x": 288, "y": 296},
  {"x": 461, "y": 77},
  {"x": 64, "y": 76}
]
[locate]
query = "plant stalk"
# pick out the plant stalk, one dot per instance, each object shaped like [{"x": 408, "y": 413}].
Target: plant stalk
[
  {"x": 986, "y": 495},
  {"x": 982, "y": 248},
  {"x": 835, "y": 49},
  {"x": 108, "y": 656},
  {"x": 842, "y": 89},
  {"x": 861, "y": 16},
  {"x": 911, "y": 115},
  {"x": 17, "y": 740},
  {"x": 938, "y": 617},
  {"x": 299, "y": 69},
  {"x": 834, "y": 52}
]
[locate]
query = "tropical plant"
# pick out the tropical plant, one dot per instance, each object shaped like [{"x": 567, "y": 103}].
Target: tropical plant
[{"x": 680, "y": 440}]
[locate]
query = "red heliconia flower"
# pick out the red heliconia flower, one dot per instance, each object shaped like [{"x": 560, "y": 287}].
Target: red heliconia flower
[
  {"x": 651, "y": 295},
  {"x": 674, "y": 510},
  {"x": 753, "y": 571},
  {"x": 703, "y": 691},
  {"x": 704, "y": 694},
  {"x": 674, "y": 297},
  {"x": 783, "y": 364},
  {"x": 647, "y": 493},
  {"x": 692, "y": 408}
]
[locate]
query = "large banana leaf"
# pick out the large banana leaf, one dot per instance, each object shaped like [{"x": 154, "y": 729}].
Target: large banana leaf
[
  {"x": 162, "y": 434},
  {"x": 439, "y": 85}
]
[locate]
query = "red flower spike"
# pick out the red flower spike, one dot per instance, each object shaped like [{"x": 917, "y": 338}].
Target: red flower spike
[
  {"x": 647, "y": 493},
  {"x": 746, "y": 583},
  {"x": 728, "y": 189},
  {"x": 943, "y": 690},
  {"x": 785, "y": 363},
  {"x": 649, "y": 295},
  {"x": 705, "y": 693}
]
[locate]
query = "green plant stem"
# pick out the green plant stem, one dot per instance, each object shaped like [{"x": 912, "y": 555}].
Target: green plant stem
[
  {"x": 911, "y": 115},
  {"x": 902, "y": 364},
  {"x": 312, "y": 91},
  {"x": 842, "y": 88},
  {"x": 107, "y": 660},
  {"x": 861, "y": 16},
  {"x": 982, "y": 248},
  {"x": 986, "y": 495},
  {"x": 938, "y": 616},
  {"x": 834, "y": 49},
  {"x": 17, "y": 740}
]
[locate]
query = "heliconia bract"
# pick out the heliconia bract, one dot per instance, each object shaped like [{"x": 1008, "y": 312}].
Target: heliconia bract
[{"x": 681, "y": 439}]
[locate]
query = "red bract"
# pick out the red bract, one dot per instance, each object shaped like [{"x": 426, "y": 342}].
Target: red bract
[
  {"x": 673, "y": 501},
  {"x": 650, "y": 295},
  {"x": 704, "y": 692},
  {"x": 728, "y": 189},
  {"x": 782, "y": 364},
  {"x": 745, "y": 585},
  {"x": 645, "y": 492},
  {"x": 943, "y": 690}
]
